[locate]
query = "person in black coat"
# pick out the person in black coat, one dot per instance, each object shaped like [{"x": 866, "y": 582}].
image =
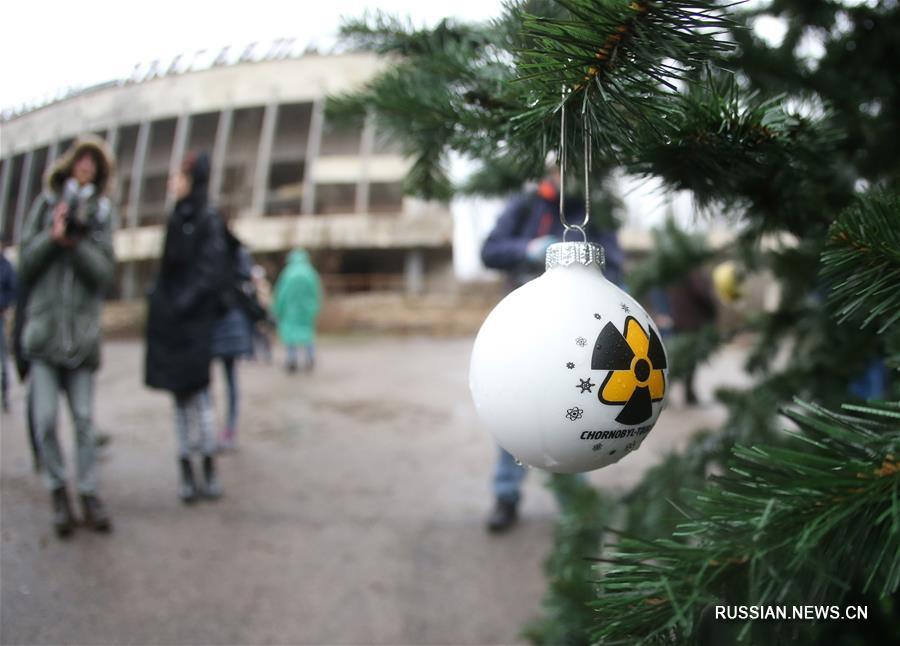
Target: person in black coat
[{"x": 183, "y": 306}]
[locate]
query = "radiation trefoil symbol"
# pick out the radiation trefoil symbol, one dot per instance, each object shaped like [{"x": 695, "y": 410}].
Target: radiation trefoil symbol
[{"x": 635, "y": 361}]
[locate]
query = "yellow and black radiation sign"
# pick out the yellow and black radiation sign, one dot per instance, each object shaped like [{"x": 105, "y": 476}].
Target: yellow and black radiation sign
[{"x": 636, "y": 361}]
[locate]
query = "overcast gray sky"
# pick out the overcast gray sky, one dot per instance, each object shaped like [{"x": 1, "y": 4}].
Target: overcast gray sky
[{"x": 49, "y": 45}]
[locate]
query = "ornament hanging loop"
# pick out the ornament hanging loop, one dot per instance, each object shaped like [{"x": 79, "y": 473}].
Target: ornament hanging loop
[
  {"x": 588, "y": 150},
  {"x": 580, "y": 228},
  {"x": 575, "y": 227}
]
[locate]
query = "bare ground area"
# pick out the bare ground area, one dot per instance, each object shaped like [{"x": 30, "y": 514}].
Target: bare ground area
[{"x": 353, "y": 512}]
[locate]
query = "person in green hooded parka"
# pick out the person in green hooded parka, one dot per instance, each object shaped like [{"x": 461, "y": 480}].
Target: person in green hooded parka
[{"x": 298, "y": 296}]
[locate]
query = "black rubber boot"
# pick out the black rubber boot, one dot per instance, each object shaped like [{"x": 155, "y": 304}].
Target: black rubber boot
[
  {"x": 212, "y": 489},
  {"x": 63, "y": 521},
  {"x": 188, "y": 490},
  {"x": 95, "y": 516},
  {"x": 503, "y": 517}
]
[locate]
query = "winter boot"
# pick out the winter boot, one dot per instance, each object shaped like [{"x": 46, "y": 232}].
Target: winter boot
[
  {"x": 63, "y": 522},
  {"x": 503, "y": 517},
  {"x": 95, "y": 516},
  {"x": 188, "y": 489},
  {"x": 212, "y": 489}
]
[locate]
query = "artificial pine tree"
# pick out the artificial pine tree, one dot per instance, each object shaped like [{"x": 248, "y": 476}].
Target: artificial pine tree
[{"x": 801, "y": 151}]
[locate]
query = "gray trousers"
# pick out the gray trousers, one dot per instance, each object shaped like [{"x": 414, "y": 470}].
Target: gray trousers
[
  {"x": 194, "y": 416},
  {"x": 47, "y": 381}
]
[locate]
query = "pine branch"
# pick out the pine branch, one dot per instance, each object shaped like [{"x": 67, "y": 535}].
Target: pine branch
[
  {"x": 798, "y": 524},
  {"x": 675, "y": 254},
  {"x": 503, "y": 175},
  {"x": 616, "y": 61},
  {"x": 578, "y": 534},
  {"x": 457, "y": 81},
  {"x": 428, "y": 135},
  {"x": 446, "y": 91},
  {"x": 736, "y": 149},
  {"x": 428, "y": 177},
  {"x": 690, "y": 349},
  {"x": 862, "y": 261},
  {"x": 387, "y": 34}
]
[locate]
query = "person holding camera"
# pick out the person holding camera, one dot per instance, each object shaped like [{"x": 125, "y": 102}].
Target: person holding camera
[{"x": 66, "y": 265}]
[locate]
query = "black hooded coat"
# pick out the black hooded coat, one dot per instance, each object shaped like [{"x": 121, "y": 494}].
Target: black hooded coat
[{"x": 186, "y": 298}]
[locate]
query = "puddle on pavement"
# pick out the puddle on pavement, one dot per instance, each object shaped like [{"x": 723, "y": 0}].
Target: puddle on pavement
[{"x": 383, "y": 411}]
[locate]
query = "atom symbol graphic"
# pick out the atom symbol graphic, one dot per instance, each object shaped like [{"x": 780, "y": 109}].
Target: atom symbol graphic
[
  {"x": 570, "y": 366},
  {"x": 581, "y": 341},
  {"x": 585, "y": 385},
  {"x": 626, "y": 309},
  {"x": 597, "y": 316},
  {"x": 574, "y": 414}
]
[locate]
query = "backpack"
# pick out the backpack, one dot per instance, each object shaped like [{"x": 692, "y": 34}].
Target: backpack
[{"x": 239, "y": 289}]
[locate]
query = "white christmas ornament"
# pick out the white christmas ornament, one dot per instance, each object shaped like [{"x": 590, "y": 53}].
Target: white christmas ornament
[{"x": 568, "y": 372}]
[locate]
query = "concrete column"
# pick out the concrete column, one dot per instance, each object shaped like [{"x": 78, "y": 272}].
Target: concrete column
[
  {"x": 179, "y": 145},
  {"x": 112, "y": 142},
  {"x": 52, "y": 153},
  {"x": 220, "y": 150},
  {"x": 22, "y": 197},
  {"x": 264, "y": 160},
  {"x": 112, "y": 138},
  {"x": 313, "y": 145},
  {"x": 5, "y": 180},
  {"x": 366, "y": 146},
  {"x": 414, "y": 272},
  {"x": 129, "y": 288},
  {"x": 137, "y": 174}
]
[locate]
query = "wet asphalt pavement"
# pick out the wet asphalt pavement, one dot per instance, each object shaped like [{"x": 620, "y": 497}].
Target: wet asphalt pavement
[{"x": 353, "y": 512}]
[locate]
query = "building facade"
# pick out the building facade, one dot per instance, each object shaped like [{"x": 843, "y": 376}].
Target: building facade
[{"x": 281, "y": 173}]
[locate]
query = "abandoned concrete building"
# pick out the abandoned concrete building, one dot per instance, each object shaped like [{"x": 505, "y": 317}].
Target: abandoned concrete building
[{"x": 282, "y": 174}]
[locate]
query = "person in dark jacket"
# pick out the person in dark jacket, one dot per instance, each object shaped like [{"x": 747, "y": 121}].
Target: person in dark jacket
[
  {"x": 530, "y": 223},
  {"x": 7, "y": 298},
  {"x": 183, "y": 307},
  {"x": 693, "y": 305},
  {"x": 518, "y": 244},
  {"x": 232, "y": 333},
  {"x": 66, "y": 264},
  {"x": 23, "y": 368}
]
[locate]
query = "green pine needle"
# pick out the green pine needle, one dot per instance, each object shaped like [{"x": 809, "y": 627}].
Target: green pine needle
[
  {"x": 784, "y": 525},
  {"x": 862, "y": 261},
  {"x": 617, "y": 62}
]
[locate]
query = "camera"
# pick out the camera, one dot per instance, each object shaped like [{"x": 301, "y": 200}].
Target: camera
[{"x": 75, "y": 196}]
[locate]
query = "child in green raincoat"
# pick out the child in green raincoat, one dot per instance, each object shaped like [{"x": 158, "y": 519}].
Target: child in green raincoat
[{"x": 298, "y": 296}]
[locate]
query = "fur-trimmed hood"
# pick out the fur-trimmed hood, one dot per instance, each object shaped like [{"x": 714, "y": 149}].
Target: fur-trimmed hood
[{"x": 62, "y": 167}]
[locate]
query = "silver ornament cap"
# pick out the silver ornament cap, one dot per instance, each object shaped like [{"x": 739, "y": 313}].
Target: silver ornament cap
[{"x": 563, "y": 254}]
